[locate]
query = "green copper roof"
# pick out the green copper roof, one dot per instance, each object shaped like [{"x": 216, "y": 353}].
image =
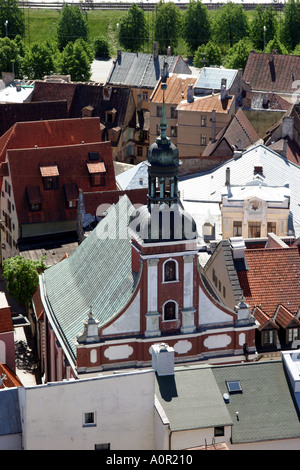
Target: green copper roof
[{"x": 98, "y": 274}]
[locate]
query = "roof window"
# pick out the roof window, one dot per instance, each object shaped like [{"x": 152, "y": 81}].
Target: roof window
[{"x": 234, "y": 386}]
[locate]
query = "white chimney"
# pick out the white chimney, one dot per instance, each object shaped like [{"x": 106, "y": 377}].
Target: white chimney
[
  {"x": 238, "y": 247},
  {"x": 162, "y": 359}
]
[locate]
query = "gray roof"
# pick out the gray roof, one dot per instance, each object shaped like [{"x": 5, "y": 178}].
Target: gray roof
[
  {"x": 134, "y": 178},
  {"x": 210, "y": 78},
  {"x": 193, "y": 399},
  {"x": 10, "y": 419},
  {"x": 266, "y": 407},
  {"x": 98, "y": 274},
  {"x": 201, "y": 193},
  {"x": 142, "y": 70}
]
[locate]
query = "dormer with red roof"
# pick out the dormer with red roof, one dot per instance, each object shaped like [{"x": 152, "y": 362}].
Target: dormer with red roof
[{"x": 44, "y": 166}]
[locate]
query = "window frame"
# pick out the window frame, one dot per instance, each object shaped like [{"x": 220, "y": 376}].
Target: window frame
[
  {"x": 85, "y": 422},
  {"x": 164, "y": 277},
  {"x": 170, "y": 301}
]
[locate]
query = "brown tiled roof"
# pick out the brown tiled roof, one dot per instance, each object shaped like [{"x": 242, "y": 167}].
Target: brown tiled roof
[
  {"x": 239, "y": 128},
  {"x": 285, "y": 318},
  {"x": 50, "y": 91},
  {"x": 272, "y": 72},
  {"x": 176, "y": 91},
  {"x": 265, "y": 322},
  {"x": 273, "y": 279},
  {"x": 10, "y": 113},
  {"x": 207, "y": 104},
  {"x": 6, "y": 323}
]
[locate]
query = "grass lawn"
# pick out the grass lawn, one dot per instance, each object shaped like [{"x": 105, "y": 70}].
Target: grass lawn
[{"x": 41, "y": 26}]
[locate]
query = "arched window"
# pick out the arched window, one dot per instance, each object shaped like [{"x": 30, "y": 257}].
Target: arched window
[
  {"x": 170, "y": 271},
  {"x": 170, "y": 310}
]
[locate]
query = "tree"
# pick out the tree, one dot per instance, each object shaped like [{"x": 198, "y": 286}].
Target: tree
[
  {"x": 38, "y": 61},
  {"x": 22, "y": 277},
  {"x": 263, "y": 26},
  {"x": 72, "y": 25},
  {"x": 133, "y": 29},
  {"x": 238, "y": 54},
  {"x": 11, "y": 13},
  {"x": 290, "y": 30},
  {"x": 76, "y": 61},
  {"x": 276, "y": 45},
  {"x": 167, "y": 25},
  {"x": 230, "y": 24},
  {"x": 101, "y": 47},
  {"x": 196, "y": 25},
  {"x": 10, "y": 58},
  {"x": 207, "y": 54}
]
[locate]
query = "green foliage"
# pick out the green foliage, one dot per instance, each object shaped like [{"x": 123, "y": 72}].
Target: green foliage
[
  {"x": 10, "y": 57},
  {"x": 72, "y": 25},
  {"x": 38, "y": 62},
  {"x": 12, "y": 13},
  {"x": 238, "y": 54},
  {"x": 22, "y": 277},
  {"x": 76, "y": 60},
  {"x": 263, "y": 26},
  {"x": 290, "y": 34},
  {"x": 276, "y": 45},
  {"x": 196, "y": 25},
  {"x": 230, "y": 24},
  {"x": 206, "y": 55},
  {"x": 101, "y": 47},
  {"x": 167, "y": 25},
  {"x": 133, "y": 29}
]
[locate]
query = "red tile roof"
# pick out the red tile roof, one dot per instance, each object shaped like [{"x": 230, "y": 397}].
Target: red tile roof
[
  {"x": 25, "y": 135},
  {"x": 11, "y": 379},
  {"x": 71, "y": 162},
  {"x": 285, "y": 318},
  {"x": 6, "y": 324},
  {"x": 93, "y": 201},
  {"x": 273, "y": 279},
  {"x": 265, "y": 322},
  {"x": 272, "y": 72}
]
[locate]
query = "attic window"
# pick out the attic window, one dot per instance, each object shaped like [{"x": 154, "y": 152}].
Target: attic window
[
  {"x": 97, "y": 173},
  {"x": 234, "y": 386},
  {"x": 110, "y": 115},
  {"x": 258, "y": 170},
  {"x": 94, "y": 156},
  {"x": 34, "y": 198},
  {"x": 71, "y": 195},
  {"x": 49, "y": 174}
]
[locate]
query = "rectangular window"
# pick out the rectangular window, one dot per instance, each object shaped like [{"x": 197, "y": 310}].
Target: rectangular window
[
  {"x": 89, "y": 419},
  {"x": 254, "y": 230},
  {"x": 237, "y": 228},
  {"x": 293, "y": 334},
  {"x": 219, "y": 431},
  {"x": 174, "y": 113},
  {"x": 145, "y": 96},
  {"x": 105, "y": 446},
  {"x": 158, "y": 111},
  {"x": 203, "y": 139},
  {"x": 203, "y": 121},
  {"x": 173, "y": 131},
  {"x": 50, "y": 182},
  {"x": 139, "y": 151},
  {"x": 268, "y": 337},
  {"x": 271, "y": 228}
]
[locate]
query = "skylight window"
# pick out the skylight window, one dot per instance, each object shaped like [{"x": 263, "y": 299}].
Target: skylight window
[{"x": 234, "y": 386}]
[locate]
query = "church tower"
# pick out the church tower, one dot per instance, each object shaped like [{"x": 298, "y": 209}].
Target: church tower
[{"x": 164, "y": 240}]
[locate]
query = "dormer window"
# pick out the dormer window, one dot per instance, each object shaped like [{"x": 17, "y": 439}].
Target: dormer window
[
  {"x": 96, "y": 169},
  {"x": 50, "y": 175},
  {"x": 71, "y": 195},
  {"x": 110, "y": 115},
  {"x": 34, "y": 198}
]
